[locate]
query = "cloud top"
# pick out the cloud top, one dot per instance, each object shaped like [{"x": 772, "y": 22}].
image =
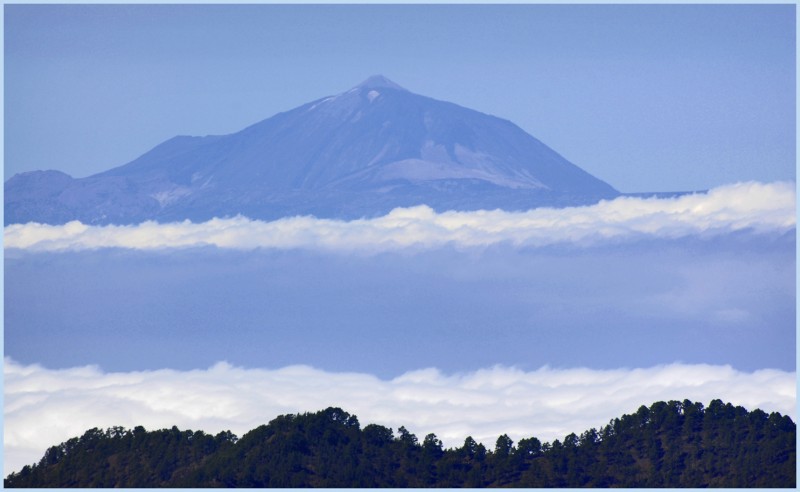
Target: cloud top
[
  {"x": 752, "y": 206},
  {"x": 44, "y": 407}
]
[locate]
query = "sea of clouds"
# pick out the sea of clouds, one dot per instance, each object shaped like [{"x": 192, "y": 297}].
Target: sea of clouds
[
  {"x": 44, "y": 407},
  {"x": 750, "y": 206}
]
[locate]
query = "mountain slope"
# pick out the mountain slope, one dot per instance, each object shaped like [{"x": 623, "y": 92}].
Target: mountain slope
[
  {"x": 669, "y": 444},
  {"x": 359, "y": 153}
]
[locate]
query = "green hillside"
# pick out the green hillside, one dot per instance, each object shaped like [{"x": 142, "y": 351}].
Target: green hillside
[{"x": 672, "y": 444}]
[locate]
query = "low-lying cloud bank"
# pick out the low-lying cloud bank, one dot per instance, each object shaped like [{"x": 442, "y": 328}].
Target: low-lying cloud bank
[
  {"x": 757, "y": 207},
  {"x": 44, "y": 407}
]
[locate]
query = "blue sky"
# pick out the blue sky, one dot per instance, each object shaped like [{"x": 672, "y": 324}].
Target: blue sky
[{"x": 646, "y": 97}]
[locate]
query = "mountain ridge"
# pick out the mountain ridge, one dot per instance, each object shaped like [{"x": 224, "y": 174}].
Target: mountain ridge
[{"x": 359, "y": 153}]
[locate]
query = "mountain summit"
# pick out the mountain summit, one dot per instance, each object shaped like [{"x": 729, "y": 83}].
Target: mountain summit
[
  {"x": 356, "y": 154},
  {"x": 378, "y": 82}
]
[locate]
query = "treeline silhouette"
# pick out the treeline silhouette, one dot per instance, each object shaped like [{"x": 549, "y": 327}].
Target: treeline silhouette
[{"x": 669, "y": 444}]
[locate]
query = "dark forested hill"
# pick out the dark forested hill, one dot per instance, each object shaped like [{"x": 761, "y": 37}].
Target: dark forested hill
[{"x": 672, "y": 444}]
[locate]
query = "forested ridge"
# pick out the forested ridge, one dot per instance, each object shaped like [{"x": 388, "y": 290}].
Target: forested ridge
[{"x": 669, "y": 444}]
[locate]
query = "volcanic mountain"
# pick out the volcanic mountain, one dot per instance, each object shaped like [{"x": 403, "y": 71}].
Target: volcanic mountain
[{"x": 357, "y": 154}]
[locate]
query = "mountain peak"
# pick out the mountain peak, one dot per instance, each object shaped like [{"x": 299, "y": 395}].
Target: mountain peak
[
  {"x": 378, "y": 82},
  {"x": 340, "y": 157}
]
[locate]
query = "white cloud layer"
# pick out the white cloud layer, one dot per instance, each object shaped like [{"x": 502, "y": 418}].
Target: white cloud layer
[
  {"x": 44, "y": 407},
  {"x": 758, "y": 207}
]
